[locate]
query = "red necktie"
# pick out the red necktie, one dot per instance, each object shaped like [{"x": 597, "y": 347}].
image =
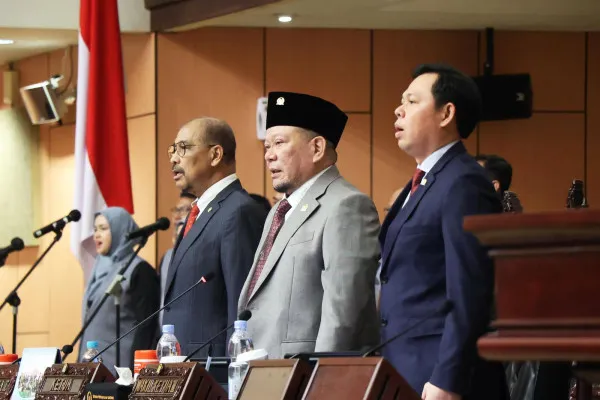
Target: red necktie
[
  {"x": 191, "y": 219},
  {"x": 416, "y": 180},
  {"x": 278, "y": 221}
]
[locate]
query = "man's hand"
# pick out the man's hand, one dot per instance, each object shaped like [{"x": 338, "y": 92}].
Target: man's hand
[{"x": 431, "y": 392}]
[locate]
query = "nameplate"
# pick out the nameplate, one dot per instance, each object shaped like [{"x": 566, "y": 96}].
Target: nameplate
[
  {"x": 164, "y": 381},
  {"x": 68, "y": 381},
  {"x": 8, "y": 377}
]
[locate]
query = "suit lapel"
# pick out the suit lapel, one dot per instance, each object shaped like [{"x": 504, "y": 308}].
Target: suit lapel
[
  {"x": 184, "y": 243},
  {"x": 307, "y": 206},
  {"x": 404, "y": 214}
]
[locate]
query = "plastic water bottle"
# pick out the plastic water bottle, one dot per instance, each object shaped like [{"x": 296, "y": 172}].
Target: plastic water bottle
[
  {"x": 240, "y": 342},
  {"x": 168, "y": 345},
  {"x": 91, "y": 355}
]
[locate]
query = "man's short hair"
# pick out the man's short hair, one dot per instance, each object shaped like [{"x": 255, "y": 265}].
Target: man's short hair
[
  {"x": 453, "y": 86},
  {"x": 498, "y": 168}
]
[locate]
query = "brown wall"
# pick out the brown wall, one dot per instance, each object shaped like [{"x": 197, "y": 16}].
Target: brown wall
[
  {"x": 50, "y": 313},
  {"x": 222, "y": 71}
]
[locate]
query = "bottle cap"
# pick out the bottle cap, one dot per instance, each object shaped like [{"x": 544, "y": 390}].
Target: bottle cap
[
  {"x": 92, "y": 344},
  {"x": 242, "y": 325},
  {"x": 168, "y": 329}
]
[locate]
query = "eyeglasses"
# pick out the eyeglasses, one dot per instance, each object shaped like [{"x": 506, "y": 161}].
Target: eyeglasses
[{"x": 182, "y": 147}]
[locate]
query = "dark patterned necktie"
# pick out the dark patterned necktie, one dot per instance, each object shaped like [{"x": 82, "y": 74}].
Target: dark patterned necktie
[
  {"x": 416, "y": 180},
  {"x": 278, "y": 221}
]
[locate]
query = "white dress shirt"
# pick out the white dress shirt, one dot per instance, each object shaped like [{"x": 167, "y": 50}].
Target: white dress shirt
[
  {"x": 295, "y": 198},
  {"x": 212, "y": 192},
  {"x": 430, "y": 161}
]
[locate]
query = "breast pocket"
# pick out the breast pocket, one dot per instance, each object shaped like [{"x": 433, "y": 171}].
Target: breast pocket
[{"x": 301, "y": 237}]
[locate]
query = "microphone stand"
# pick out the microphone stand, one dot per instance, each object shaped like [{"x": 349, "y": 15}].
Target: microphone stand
[
  {"x": 114, "y": 289},
  {"x": 204, "y": 279},
  {"x": 13, "y": 298}
]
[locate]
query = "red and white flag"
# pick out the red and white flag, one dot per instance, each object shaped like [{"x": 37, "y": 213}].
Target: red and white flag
[{"x": 102, "y": 173}]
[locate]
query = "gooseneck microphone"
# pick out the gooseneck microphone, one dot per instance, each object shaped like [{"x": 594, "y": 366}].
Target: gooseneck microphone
[
  {"x": 161, "y": 224},
  {"x": 244, "y": 316},
  {"x": 15, "y": 245},
  {"x": 444, "y": 309},
  {"x": 206, "y": 278},
  {"x": 58, "y": 225}
]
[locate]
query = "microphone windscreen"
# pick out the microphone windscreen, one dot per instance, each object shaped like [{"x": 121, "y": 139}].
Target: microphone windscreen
[
  {"x": 75, "y": 215},
  {"x": 245, "y": 315},
  {"x": 163, "y": 223},
  {"x": 17, "y": 243},
  {"x": 67, "y": 349}
]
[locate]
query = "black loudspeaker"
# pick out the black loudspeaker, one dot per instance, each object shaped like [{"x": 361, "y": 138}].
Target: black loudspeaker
[{"x": 505, "y": 96}]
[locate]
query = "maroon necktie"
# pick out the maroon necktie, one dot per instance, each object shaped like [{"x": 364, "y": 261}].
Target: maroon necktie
[
  {"x": 416, "y": 180},
  {"x": 278, "y": 220},
  {"x": 191, "y": 219}
]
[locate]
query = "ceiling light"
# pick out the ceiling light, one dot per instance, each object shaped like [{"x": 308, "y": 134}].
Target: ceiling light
[
  {"x": 284, "y": 19},
  {"x": 6, "y": 41}
]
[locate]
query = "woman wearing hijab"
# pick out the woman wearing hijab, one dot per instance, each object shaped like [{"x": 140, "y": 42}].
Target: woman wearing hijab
[{"x": 140, "y": 296}]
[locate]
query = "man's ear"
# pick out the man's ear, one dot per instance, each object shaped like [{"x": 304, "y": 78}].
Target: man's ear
[
  {"x": 216, "y": 155},
  {"x": 319, "y": 147},
  {"x": 448, "y": 113}
]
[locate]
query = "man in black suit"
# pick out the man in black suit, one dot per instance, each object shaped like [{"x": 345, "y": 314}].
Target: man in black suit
[{"x": 220, "y": 236}]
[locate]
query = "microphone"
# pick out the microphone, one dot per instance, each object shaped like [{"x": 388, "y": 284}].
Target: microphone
[
  {"x": 204, "y": 279},
  {"x": 444, "y": 309},
  {"x": 15, "y": 245},
  {"x": 244, "y": 316},
  {"x": 58, "y": 225},
  {"x": 161, "y": 224}
]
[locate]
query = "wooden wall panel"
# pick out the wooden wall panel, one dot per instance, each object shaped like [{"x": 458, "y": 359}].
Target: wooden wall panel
[
  {"x": 555, "y": 61},
  {"x": 9, "y": 278},
  {"x": 2, "y": 69},
  {"x": 330, "y": 63},
  {"x": 593, "y": 121},
  {"x": 546, "y": 153},
  {"x": 140, "y": 84},
  {"x": 354, "y": 152},
  {"x": 215, "y": 72},
  {"x": 142, "y": 150},
  {"x": 66, "y": 278},
  {"x": 396, "y": 54}
]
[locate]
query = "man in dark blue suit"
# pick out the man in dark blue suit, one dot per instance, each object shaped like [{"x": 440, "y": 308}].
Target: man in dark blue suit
[
  {"x": 220, "y": 235},
  {"x": 428, "y": 259}
]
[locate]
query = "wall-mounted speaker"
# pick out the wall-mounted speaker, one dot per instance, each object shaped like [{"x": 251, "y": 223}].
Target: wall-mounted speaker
[{"x": 505, "y": 96}]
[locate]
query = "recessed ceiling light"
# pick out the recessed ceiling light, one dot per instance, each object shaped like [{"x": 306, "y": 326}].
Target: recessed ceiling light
[
  {"x": 284, "y": 19},
  {"x": 6, "y": 41}
]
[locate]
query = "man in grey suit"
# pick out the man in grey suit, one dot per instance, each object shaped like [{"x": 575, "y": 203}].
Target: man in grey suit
[
  {"x": 311, "y": 287},
  {"x": 219, "y": 238}
]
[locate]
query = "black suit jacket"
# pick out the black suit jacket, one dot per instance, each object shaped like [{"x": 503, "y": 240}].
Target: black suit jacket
[{"x": 222, "y": 242}]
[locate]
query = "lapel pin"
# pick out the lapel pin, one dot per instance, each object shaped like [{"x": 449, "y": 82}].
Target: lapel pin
[
  {"x": 209, "y": 209},
  {"x": 424, "y": 182},
  {"x": 304, "y": 207}
]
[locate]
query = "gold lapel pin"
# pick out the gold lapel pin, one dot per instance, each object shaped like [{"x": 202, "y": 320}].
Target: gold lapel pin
[
  {"x": 304, "y": 207},
  {"x": 209, "y": 209},
  {"x": 424, "y": 182}
]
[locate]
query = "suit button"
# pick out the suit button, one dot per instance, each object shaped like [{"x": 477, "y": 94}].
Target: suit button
[
  {"x": 383, "y": 322},
  {"x": 384, "y": 280}
]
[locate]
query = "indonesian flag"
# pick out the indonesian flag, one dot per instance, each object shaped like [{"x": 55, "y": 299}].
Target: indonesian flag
[{"x": 102, "y": 175}]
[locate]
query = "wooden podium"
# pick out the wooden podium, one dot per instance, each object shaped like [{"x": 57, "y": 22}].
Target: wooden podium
[
  {"x": 275, "y": 379},
  {"x": 345, "y": 378},
  {"x": 357, "y": 378},
  {"x": 547, "y": 269}
]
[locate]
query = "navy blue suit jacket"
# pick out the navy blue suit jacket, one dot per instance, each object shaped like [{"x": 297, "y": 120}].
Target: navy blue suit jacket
[
  {"x": 427, "y": 259},
  {"x": 222, "y": 241}
]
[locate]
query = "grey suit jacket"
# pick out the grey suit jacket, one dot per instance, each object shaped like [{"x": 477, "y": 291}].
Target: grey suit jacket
[{"x": 316, "y": 290}]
